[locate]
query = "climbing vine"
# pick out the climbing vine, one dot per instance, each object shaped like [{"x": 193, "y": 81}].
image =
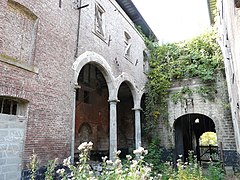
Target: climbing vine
[{"x": 199, "y": 57}]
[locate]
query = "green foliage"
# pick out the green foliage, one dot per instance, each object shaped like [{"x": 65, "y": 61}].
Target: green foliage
[
  {"x": 145, "y": 165},
  {"x": 207, "y": 91},
  {"x": 154, "y": 155},
  {"x": 33, "y": 165},
  {"x": 215, "y": 172},
  {"x": 50, "y": 169},
  {"x": 176, "y": 97},
  {"x": 200, "y": 57}
]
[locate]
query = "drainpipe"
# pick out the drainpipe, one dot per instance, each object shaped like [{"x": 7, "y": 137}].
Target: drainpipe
[
  {"x": 73, "y": 125},
  {"x": 77, "y": 6}
]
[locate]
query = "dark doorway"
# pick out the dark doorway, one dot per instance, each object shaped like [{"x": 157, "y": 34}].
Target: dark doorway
[
  {"x": 125, "y": 120},
  {"x": 188, "y": 129}
]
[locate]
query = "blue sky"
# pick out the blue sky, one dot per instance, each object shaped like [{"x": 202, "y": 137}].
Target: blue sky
[{"x": 174, "y": 20}]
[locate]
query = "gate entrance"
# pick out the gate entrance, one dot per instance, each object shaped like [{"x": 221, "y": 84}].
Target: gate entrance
[{"x": 188, "y": 130}]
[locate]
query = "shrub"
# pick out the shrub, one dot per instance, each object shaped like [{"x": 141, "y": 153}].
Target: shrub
[{"x": 134, "y": 168}]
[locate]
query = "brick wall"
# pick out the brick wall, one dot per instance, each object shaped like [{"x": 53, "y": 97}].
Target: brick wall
[{"x": 37, "y": 64}]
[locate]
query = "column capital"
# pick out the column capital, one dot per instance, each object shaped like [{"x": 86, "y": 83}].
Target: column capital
[
  {"x": 113, "y": 100},
  {"x": 137, "y": 109},
  {"x": 76, "y": 86}
]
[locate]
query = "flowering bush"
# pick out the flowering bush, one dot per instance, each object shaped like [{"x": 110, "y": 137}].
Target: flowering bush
[{"x": 135, "y": 168}]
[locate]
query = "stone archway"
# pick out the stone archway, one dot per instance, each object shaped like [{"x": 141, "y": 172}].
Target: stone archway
[
  {"x": 94, "y": 84},
  {"x": 112, "y": 85},
  {"x": 135, "y": 95},
  {"x": 188, "y": 129},
  {"x": 125, "y": 120}
]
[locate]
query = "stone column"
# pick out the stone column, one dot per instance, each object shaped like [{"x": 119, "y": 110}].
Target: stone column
[
  {"x": 138, "y": 141},
  {"x": 76, "y": 86},
  {"x": 113, "y": 128}
]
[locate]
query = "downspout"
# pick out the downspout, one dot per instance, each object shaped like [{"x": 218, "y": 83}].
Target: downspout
[
  {"x": 77, "y": 6},
  {"x": 73, "y": 125}
]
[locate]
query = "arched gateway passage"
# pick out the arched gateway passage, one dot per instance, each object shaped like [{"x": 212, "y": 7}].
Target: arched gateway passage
[
  {"x": 188, "y": 129},
  {"x": 92, "y": 111}
]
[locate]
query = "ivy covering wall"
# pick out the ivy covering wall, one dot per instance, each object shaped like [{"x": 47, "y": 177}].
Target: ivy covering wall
[{"x": 199, "y": 57}]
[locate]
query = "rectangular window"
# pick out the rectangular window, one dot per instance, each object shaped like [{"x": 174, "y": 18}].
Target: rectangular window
[
  {"x": 146, "y": 57},
  {"x": 86, "y": 73},
  {"x": 77, "y": 94},
  {"x": 233, "y": 78},
  {"x": 8, "y": 106},
  {"x": 127, "y": 45},
  {"x": 86, "y": 97},
  {"x": 99, "y": 20}
]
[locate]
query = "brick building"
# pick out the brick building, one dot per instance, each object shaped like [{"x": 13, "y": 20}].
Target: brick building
[
  {"x": 75, "y": 71},
  {"x": 69, "y": 72}
]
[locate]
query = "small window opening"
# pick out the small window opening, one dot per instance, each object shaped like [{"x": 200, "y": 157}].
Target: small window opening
[
  {"x": 77, "y": 94},
  {"x": 233, "y": 78},
  {"x": 127, "y": 44},
  {"x": 86, "y": 97},
  {"x": 8, "y": 106},
  {"x": 99, "y": 20},
  {"x": 84, "y": 76}
]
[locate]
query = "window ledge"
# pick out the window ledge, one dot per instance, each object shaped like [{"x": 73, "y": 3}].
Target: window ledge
[
  {"x": 12, "y": 61},
  {"x": 128, "y": 59},
  {"x": 100, "y": 36}
]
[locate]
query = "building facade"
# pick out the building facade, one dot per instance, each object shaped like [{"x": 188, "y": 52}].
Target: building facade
[
  {"x": 228, "y": 21},
  {"x": 69, "y": 72}
]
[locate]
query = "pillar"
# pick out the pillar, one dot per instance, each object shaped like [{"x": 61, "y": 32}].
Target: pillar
[
  {"x": 76, "y": 86},
  {"x": 138, "y": 141},
  {"x": 113, "y": 128}
]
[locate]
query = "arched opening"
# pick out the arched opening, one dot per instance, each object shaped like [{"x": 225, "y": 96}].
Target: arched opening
[
  {"x": 92, "y": 111},
  {"x": 145, "y": 136},
  {"x": 125, "y": 120},
  {"x": 188, "y": 130}
]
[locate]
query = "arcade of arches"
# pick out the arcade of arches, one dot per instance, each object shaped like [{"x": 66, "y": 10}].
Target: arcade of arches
[
  {"x": 108, "y": 113},
  {"x": 110, "y": 123}
]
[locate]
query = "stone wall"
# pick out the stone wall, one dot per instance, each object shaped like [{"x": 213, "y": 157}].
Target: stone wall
[{"x": 197, "y": 104}]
